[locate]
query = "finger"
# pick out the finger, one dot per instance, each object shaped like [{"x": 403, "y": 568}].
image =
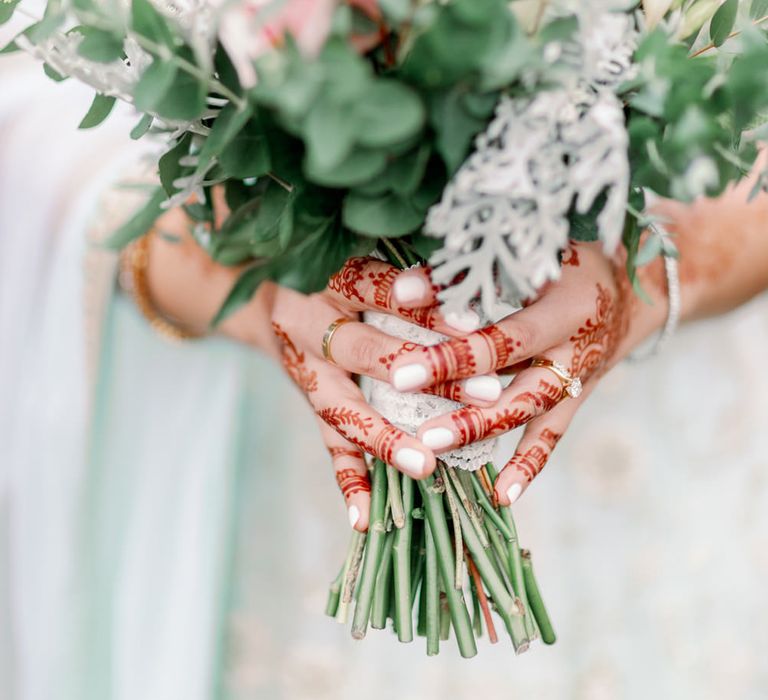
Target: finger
[
  {"x": 520, "y": 336},
  {"x": 533, "y": 392},
  {"x": 369, "y": 284},
  {"x": 480, "y": 391},
  {"x": 533, "y": 451},
  {"x": 351, "y": 476},
  {"x": 342, "y": 406},
  {"x": 361, "y": 349}
]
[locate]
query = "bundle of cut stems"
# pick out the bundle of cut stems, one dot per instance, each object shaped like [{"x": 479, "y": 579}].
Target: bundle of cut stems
[{"x": 432, "y": 545}]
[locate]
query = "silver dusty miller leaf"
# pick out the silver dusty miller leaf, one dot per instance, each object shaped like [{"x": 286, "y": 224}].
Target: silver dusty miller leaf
[{"x": 504, "y": 216}]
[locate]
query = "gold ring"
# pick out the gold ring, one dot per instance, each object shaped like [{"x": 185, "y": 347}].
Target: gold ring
[
  {"x": 328, "y": 336},
  {"x": 571, "y": 385}
]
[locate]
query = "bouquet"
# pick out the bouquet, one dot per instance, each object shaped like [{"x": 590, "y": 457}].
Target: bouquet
[{"x": 475, "y": 136}]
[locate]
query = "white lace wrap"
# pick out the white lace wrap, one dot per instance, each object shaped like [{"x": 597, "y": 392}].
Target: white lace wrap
[{"x": 409, "y": 411}]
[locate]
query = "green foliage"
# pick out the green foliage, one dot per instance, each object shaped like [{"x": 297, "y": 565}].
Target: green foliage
[
  {"x": 687, "y": 115},
  {"x": 723, "y": 22},
  {"x": 169, "y": 166},
  {"x": 6, "y": 9},
  {"x": 141, "y": 222},
  {"x": 100, "y": 109},
  {"x": 100, "y": 46}
]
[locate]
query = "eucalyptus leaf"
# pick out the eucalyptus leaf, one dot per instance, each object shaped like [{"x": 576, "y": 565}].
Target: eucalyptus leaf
[
  {"x": 387, "y": 216},
  {"x": 169, "y": 167},
  {"x": 149, "y": 23},
  {"x": 6, "y": 9},
  {"x": 241, "y": 292},
  {"x": 154, "y": 84},
  {"x": 758, "y": 9},
  {"x": 139, "y": 223},
  {"x": 142, "y": 127},
  {"x": 100, "y": 109},
  {"x": 225, "y": 128},
  {"x": 388, "y": 112},
  {"x": 100, "y": 46},
  {"x": 54, "y": 74},
  {"x": 247, "y": 154},
  {"x": 723, "y": 21}
]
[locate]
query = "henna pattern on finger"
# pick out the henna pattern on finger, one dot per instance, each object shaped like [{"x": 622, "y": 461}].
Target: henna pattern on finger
[
  {"x": 345, "y": 281},
  {"x": 344, "y": 452},
  {"x": 530, "y": 463},
  {"x": 500, "y": 345},
  {"x": 473, "y": 424},
  {"x": 550, "y": 438},
  {"x": 570, "y": 256},
  {"x": 387, "y": 360},
  {"x": 545, "y": 398},
  {"x": 337, "y": 417},
  {"x": 424, "y": 316},
  {"x": 294, "y": 362},
  {"x": 350, "y": 483},
  {"x": 452, "y": 358},
  {"x": 382, "y": 286},
  {"x": 384, "y": 443}
]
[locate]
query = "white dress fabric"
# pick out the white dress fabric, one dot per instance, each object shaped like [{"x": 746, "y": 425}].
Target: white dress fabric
[{"x": 171, "y": 536}]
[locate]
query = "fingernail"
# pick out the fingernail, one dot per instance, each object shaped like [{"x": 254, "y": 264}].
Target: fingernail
[
  {"x": 410, "y": 460},
  {"x": 484, "y": 388},
  {"x": 354, "y": 515},
  {"x": 438, "y": 438},
  {"x": 464, "y": 322},
  {"x": 409, "y": 377},
  {"x": 409, "y": 288},
  {"x": 513, "y": 493}
]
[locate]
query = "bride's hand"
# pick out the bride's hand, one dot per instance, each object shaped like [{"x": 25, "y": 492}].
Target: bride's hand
[
  {"x": 349, "y": 425},
  {"x": 586, "y": 321}
]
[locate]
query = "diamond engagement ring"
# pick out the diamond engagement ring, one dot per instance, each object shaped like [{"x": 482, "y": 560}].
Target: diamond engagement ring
[{"x": 571, "y": 385}]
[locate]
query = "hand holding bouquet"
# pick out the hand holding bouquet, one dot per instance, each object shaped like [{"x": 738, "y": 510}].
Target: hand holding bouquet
[{"x": 479, "y": 137}]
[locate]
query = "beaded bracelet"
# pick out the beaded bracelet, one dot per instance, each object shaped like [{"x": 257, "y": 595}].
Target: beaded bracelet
[{"x": 134, "y": 264}]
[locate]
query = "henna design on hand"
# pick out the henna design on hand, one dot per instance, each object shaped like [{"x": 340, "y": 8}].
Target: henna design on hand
[
  {"x": 596, "y": 342},
  {"x": 472, "y": 424},
  {"x": 454, "y": 357},
  {"x": 345, "y": 281},
  {"x": 570, "y": 256},
  {"x": 530, "y": 463},
  {"x": 550, "y": 438},
  {"x": 382, "y": 286},
  {"x": 387, "y": 360},
  {"x": 350, "y": 483},
  {"x": 343, "y": 452},
  {"x": 384, "y": 443},
  {"x": 337, "y": 417},
  {"x": 294, "y": 362},
  {"x": 545, "y": 398}
]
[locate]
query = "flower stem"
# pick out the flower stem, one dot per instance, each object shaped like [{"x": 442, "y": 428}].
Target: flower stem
[
  {"x": 373, "y": 548},
  {"x": 433, "y": 505},
  {"x": 395, "y": 496},
  {"x": 351, "y": 572},
  {"x": 458, "y": 547},
  {"x": 402, "y": 566},
  {"x": 383, "y": 587},
  {"x": 334, "y": 594},
  {"x": 482, "y": 599},
  {"x": 537, "y": 604},
  {"x": 432, "y": 595},
  {"x": 490, "y": 511},
  {"x": 469, "y": 505}
]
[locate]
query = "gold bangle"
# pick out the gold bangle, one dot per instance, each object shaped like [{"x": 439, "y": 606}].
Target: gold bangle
[{"x": 134, "y": 264}]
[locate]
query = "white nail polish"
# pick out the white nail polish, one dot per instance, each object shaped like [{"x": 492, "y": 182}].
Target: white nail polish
[
  {"x": 410, "y": 460},
  {"x": 409, "y": 288},
  {"x": 464, "y": 322},
  {"x": 484, "y": 388},
  {"x": 354, "y": 515},
  {"x": 409, "y": 377},
  {"x": 513, "y": 493},
  {"x": 438, "y": 438}
]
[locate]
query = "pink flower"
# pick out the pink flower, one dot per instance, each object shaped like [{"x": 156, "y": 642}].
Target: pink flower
[{"x": 250, "y": 28}]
